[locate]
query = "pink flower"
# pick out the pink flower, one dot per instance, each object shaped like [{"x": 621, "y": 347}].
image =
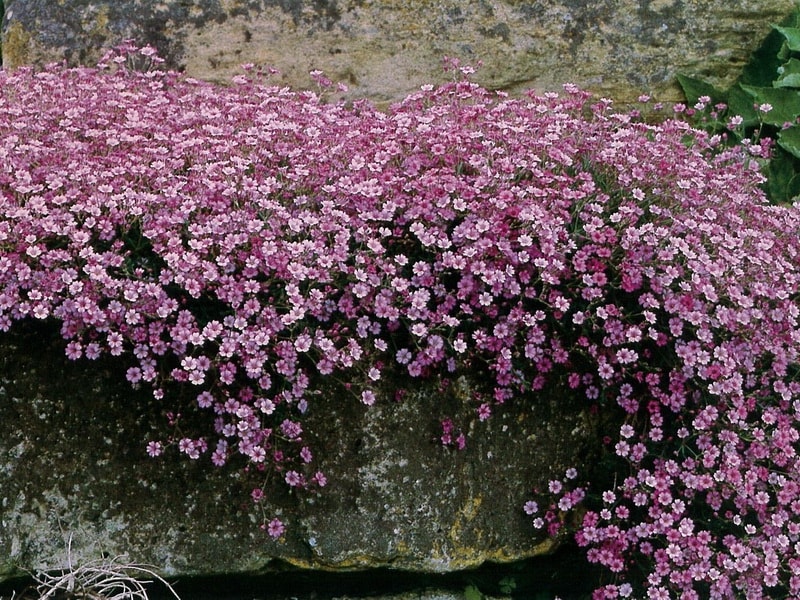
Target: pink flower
[
  {"x": 404, "y": 356},
  {"x": 205, "y": 399},
  {"x": 74, "y": 350},
  {"x": 293, "y": 479},
  {"x": 531, "y": 507},
  {"x": 220, "y": 455},
  {"x": 368, "y": 397},
  {"x": 257, "y": 454},
  {"x": 275, "y": 528},
  {"x": 291, "y": 429},
  {"x": 154, "y": 449}
]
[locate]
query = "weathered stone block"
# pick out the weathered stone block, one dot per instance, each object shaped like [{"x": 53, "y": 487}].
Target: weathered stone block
[
  {"x": 73, "y": 468},
  {"x": 384, "y": 49}
]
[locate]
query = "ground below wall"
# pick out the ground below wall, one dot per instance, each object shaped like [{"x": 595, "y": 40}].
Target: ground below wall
[
  {"x": 73, "y": 472},
  {"x": 563, "y": 574}
]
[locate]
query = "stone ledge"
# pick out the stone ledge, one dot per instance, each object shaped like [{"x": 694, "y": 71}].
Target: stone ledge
[{"x": 73, "y": 467}]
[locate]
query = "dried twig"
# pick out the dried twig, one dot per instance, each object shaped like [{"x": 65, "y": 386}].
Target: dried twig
[{"x": 102, "y": 579}]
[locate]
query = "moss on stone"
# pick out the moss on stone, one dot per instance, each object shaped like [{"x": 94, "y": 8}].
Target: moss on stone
[{"x": 15, "y": 45}]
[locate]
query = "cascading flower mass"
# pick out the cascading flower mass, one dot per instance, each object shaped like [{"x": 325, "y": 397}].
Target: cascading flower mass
[{"x": 247, "y": 241}]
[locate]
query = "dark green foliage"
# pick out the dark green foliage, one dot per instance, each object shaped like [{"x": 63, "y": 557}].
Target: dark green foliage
[{"x": 772, "y": 77}]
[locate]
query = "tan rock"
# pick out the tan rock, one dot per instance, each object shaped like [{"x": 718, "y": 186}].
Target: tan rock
[{"x": 384, "y": 49}]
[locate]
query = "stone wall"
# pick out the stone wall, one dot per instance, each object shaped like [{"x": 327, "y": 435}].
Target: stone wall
[
  {"x": 383, "y": 49},
  {"x": 73, "y": 471}
]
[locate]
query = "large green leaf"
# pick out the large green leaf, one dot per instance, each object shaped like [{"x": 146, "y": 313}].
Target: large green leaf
[
  {"x": 740, "y": 103},
  {"x": 471, "y": 592},
  {"x": 694, "y": 88},
  {"x": 792, "y": 36},
  {"x": 783, "y": 176},
  {"x": 763, "y": 65},
  {"x": 785, "y": 103},
  {"x": 789, "y": 74},
  {"x": 789, "y": 140}
]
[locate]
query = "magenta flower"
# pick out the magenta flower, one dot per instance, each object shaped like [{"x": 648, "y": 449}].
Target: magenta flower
[
  {"x": 154, "y": 448},
  {"x": 275, "y": 528},
  {"x": 293, "y": 479}
]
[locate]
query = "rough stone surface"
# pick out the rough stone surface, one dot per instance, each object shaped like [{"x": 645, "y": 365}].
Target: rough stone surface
[
  {"x": 384, "y": 49},
  {"x": 73, "y": 472}
]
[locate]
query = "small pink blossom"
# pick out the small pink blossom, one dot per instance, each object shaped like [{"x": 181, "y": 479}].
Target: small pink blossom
[
  {"x": 293, "y": 479},
  {"x": 276, "y": 528},
  {"x": 154, "y": 449}
]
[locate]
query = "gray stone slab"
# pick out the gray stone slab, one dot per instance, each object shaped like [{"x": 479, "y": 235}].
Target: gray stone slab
[{"x": 73, "y": 470}]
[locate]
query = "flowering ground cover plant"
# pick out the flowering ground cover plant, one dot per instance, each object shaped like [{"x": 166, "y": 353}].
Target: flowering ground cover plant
[{"x": 247, "y": 242}]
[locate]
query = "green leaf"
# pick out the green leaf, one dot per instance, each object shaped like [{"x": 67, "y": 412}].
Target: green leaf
[
  {"x": 471, "y": 592},
  {"x": 763, "y": 65},
  {"x": 783, "y": 54},
  {"x": 508, "y": 584},
  {"x": 785, "y": 103},
  {"x": 792, "y": 35},
  {"x": 741, "y": 103},
  {"x": 789, "y": 140},
  {"x": 783, "y": 176},
  {"x": 694, "y": 88},
  {"x": 789, "y": 74}
]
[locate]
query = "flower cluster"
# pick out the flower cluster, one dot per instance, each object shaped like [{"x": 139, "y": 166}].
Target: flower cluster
[
  {"x": 247, "y": 242},
  {"x": 699, "y": 348}
]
